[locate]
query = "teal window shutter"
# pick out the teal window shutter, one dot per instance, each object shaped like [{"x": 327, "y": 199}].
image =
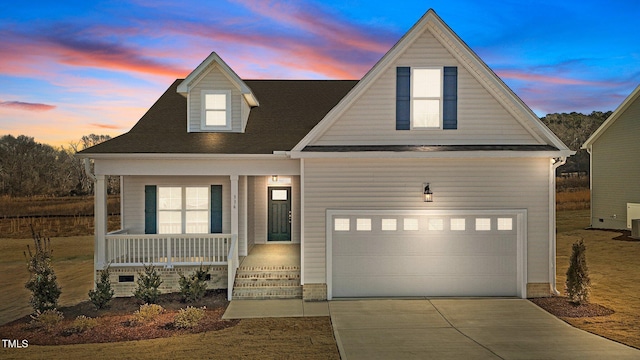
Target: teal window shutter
[
  {"x": 150, "y": 207},
  {"x": 450, "y": 98},
  {"x": 216, "y": 209},
  {"x": 403, "y": 98}
]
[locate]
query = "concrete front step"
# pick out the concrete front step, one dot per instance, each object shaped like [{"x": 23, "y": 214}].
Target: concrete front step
[{"x": 267, "y": 282}]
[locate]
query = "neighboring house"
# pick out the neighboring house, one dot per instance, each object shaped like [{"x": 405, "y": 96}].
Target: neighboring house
[
  {"x": 428, "y": 177},
  {"x": 615, "y": 167}
]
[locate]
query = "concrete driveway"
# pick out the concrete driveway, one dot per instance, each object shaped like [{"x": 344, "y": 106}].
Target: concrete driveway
[{"x": 462, "y": 329}]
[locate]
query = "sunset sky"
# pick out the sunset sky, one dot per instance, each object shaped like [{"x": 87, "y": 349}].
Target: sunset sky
[{"x": 72, "y": 68}]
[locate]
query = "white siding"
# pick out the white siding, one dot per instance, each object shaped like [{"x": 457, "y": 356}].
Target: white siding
[
  {"x": 215, "y": 80},
  {"x": 371, "y": 118},
  {"x": 134, "y": 196},
  {"x": 456, "y": 184},
  {"x": 615, "y": 160}
]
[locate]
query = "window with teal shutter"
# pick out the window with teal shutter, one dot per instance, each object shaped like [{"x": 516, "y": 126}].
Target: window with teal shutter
[
  {"x": 450, "y": 98},
  {"x": 403, "y": 98},
  {"x": 150, "y": 207},
  {"x": 216, "y": 209}
]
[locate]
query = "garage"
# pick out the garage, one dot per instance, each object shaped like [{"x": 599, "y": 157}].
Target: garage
[{"x": 399, "y": 253}]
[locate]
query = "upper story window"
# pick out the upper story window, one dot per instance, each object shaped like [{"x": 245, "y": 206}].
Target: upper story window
[
  {"x": 216, "y": 110},
  {"x": 426, "y": 96}
]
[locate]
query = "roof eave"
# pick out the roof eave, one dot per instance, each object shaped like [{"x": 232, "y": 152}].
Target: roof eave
[{"x": 635, "y": 94}]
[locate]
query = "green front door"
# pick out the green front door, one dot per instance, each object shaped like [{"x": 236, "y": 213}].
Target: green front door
[{"x": 279, "y": 202}]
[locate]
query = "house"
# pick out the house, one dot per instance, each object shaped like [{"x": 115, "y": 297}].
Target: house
[
  {"x": 427, "y": 177},
  {"x": 615, "y": 167}
]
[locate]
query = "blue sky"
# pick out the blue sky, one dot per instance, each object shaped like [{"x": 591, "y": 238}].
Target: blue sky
[{"x": 72, "y": 68}]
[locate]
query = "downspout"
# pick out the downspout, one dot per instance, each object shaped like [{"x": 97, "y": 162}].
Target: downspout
[
  {"x": 556, "y": 162},
  {"x": 87, "y": 170},
  {"x": 92, "y": 177}
]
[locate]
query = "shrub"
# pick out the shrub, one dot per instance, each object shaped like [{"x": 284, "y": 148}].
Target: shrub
[
  {"x": 147, "y": 285},
  {"x": 189, "y": 317},
  {"x": 103, "y": 293},
  {"x": 47, "y": 319},
  {"x": 194, "y": 287},
  {"x": 578, "y": 282},
  {"x": 146, "y": 313},
  {"x": 42, "y": 280},
  {"x": 82, "y": 324}
]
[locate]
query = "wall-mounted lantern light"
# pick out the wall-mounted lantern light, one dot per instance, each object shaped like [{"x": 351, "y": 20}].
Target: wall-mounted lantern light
[
  {"x": 428, "y": 195},
  {"x": 274, "y": 178}
]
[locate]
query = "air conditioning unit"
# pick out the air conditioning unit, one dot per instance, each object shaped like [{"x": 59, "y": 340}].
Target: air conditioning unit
[{"x": 635, "y": 229}]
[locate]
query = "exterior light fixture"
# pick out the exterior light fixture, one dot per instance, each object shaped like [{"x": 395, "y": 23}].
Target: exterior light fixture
[
  {"x": 274, "y": 178},
  {"x": 428, "y": 195}
]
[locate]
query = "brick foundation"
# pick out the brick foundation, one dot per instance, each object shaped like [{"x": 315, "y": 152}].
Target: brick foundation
[
  {"x": 169, "y": 277},
  {"x": 314, "y": 292},
  {"x": 538, "y": 290}
]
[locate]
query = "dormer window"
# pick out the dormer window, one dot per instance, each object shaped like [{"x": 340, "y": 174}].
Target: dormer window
[{"x": 216, "y": 110}]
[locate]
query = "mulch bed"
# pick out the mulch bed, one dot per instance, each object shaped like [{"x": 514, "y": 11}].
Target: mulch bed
[
  {"x": 114, "y": 323},
  {"x": 625, "y": 235},
  {"x": 560, "y": 306}
]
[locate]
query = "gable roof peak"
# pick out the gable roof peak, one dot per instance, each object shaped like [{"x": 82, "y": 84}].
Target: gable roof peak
[{"x": 214, "y": 58}]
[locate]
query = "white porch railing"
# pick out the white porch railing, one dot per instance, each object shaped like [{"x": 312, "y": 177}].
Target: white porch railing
[{"x": 168, "y": 250}]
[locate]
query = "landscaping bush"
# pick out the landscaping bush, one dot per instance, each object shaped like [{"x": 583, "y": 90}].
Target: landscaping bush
[
  {"x": 578, "y": 283},
  {"x": 82, "y": 324},
  {"x": 146, "y": 313},
  {"x": 189, "y": 317},
  {"x": 42, "y": 280},
  {"x": 194, "y": 287},
  {"x": 47, "y": 319},
  {"x": 103, "y": 293},
  {"x": 147, "y": 285}
]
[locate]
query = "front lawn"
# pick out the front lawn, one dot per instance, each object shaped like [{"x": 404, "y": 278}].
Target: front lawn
[{"x": 614, "y": 267}]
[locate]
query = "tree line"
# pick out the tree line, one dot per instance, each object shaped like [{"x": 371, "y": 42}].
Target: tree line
[
  {"x": 29, "y": 168},
  {"x": 574, "y": 129}
]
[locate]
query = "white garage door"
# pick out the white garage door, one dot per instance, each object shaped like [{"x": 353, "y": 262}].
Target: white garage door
[{"x": 425, "y": 253}]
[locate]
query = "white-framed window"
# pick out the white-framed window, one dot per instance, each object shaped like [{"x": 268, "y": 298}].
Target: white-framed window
[
  {"x": 426, "y": 98},
  {"x": 216, "y": 110},
  {"x": 363, "y": 224},
  {"x": 436, "y": 224},
  {"x": 341, "y": 224},
  {"x": 183, "y": 209},
  {"x": 410, "y": 224},
  {"x": 483, "y": 224},
  {"x": 389, "y": 224},
  {"x": 458, "y": 224},
  {"x": 505, "y": 224}
]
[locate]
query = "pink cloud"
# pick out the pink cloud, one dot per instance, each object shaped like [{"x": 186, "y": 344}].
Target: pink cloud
[
  {"x": 105, "y": 126},
  {"x": 20, "y": 105}
]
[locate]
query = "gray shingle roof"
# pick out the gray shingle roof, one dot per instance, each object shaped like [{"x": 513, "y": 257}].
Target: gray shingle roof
[{"x": 288, "y": 110}]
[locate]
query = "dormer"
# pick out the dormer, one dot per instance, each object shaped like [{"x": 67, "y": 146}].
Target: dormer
[{"x": 217, "y": 99}]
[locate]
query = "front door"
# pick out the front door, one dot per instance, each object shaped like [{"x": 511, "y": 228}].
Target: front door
[{"x": 279, "y": 203}]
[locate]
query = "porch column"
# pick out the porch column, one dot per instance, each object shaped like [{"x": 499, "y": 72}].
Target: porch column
[
  {"x": 234, "y": 204},
  {"x": 100, "y": 221}
]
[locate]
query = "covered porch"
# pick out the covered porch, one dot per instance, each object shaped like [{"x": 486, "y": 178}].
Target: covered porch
[{"x": 236, "y": 217}]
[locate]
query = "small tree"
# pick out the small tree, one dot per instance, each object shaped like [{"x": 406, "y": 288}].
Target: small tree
[
  {"x": 147, "y": 285},
  {"x": 103, "y": 293},
  {"x": 578, "y": 283},
  {"x": 42, "y": 280},
  {"x": 193, "y": 287}
]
